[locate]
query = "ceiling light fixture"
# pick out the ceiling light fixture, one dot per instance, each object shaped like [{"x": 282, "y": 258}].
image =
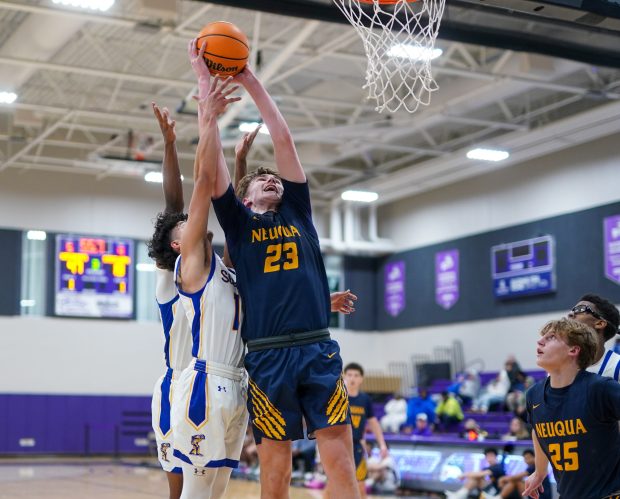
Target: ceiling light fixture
[
  {"x": 488, "y": 154},
  {"x": 250, "y": 126},
  {"x": 414, "y": 52},
  {"x": 36, "y": 235},
  {"x": 157, "y": 177},
  {"x": 7, "y": 97},
  {"x": 360, "y": 196},
  {"x": 101, "y": 5}
]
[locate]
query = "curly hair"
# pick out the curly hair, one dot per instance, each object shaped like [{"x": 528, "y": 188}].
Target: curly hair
[
  {"x": 244, "y": 183},
  {"x": 159, "y": 245},
  {"x": 608, "y": 311}
]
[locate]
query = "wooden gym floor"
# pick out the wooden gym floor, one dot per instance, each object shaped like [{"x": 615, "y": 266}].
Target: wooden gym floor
[{"x": 102, "y": 479}]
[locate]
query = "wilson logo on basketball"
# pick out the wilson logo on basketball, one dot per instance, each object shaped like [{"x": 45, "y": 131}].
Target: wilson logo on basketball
[{"x": 220, "y": 68}]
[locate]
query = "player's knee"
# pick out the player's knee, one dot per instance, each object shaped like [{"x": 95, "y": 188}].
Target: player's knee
[{"x": 274, "y": 478}]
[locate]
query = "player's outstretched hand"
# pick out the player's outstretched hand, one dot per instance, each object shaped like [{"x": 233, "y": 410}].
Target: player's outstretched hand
[
  {"x": 166, "y": 123},
  {"x": 245, "y": 76},
  {"x": 343, "y": 301},
  {"x": 197, "y": 61},
  {"x": 533, "y": 486},
  {"x": 245, "y": 144},
  {"x": 217, "y": 100}
]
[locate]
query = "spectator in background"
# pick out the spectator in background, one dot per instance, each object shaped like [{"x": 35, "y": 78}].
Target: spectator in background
[
  {"x": 421, "y": 426},
  {"x": 495, "y": 392},
  {"x": 517, "y": 431},
  {"x": 383, "y": 477},
  {"x": 512, "y": 486},
  {"x": 515, "y": 400},
  {"x": 395, "y": 414},
  {"x": 516, "y": 376},
  {"x": 469, "y": 387},
  {"x": 449, "y": 411},
  {"x": 422, "y": 403},
  {"x": 472, "y": 431},
  {"x": 486, "y": 479}
]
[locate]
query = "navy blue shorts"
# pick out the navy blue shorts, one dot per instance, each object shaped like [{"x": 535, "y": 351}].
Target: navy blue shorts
[
  {"x": 288, "y": 384},
  {"x": 359, "y": 454}
]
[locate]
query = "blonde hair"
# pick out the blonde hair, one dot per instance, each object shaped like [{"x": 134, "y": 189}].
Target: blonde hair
[
  {"x": 575, "y": 334},
  {"x": 244, "y": 183}
]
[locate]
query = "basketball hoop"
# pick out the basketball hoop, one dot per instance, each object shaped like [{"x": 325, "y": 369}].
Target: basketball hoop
[{"x": 399, "y": 40}]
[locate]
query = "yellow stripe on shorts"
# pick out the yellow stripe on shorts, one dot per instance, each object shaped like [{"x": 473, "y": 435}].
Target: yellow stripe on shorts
[
  {"x": 338, "y": 404},
  {"x": 266, "y": 417}
]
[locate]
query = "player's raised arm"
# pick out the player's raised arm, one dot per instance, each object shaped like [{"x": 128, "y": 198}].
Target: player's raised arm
[
  {"x": 195, "y": 245},
  {"x": 173, "y": 188},
  {"x": 241, "y": 153},
  {"x": 241, "y": 169},
  {"x": 196, "y": 59},
  {"x": 287, "y": 161}
]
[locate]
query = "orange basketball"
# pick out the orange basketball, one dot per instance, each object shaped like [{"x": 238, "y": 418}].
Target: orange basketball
[{"x": 227, "y": 48}]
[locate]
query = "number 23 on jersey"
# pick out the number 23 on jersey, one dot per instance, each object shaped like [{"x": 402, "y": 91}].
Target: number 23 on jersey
[{"x": 281, "y": 257}]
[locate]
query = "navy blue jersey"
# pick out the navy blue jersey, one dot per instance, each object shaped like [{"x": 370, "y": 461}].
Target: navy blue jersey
[
  {"x": 361, "y": 410},
  {"x": 577, "y": 428},
  {"x": 280, "y": 273},
  {"x": 497, "y": 471}
]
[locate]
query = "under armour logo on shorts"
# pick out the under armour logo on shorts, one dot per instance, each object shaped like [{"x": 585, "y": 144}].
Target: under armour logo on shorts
[{"x": 221, "y": 388}]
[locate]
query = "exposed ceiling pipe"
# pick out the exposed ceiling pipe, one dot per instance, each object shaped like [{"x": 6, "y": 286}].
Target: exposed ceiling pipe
[
  {"x": 29, "y": 40},
  {"x": 269, "y": 71},
  {"x": 80, "y": 15}
]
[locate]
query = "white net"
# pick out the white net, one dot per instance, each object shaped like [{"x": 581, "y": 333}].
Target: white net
[{"x": 399, "y": 39}]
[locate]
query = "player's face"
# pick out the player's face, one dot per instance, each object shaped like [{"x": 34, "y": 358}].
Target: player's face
[
  {"x": 491, "y": 458},
  {"x": 586, "y": 313},
  {"x": 552, "y": 352},
  {"x": 264, "y": 189},
  {"x": 353, "y": 379},
  {"x": 175, "y": 236},
  {"x": 529, "y": 459}
]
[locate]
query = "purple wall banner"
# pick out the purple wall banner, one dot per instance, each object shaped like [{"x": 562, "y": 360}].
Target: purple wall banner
[
  {"x": 395, "y": 288},
  {"x": 94, "y": 276},
  {"x": 612, "y": 248},
  {"x": 447, "y": 278}
]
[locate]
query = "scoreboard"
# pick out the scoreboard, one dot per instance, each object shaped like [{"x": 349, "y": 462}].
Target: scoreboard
[
  {"x": 524, "y": 268},
  {"x": 94, "y": 277}
]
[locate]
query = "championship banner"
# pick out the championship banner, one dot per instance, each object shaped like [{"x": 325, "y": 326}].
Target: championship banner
[
  {"x": 611, "y": 229},
  {"x": 447, "y": 278},
  {"x": 395, "y": 288}
]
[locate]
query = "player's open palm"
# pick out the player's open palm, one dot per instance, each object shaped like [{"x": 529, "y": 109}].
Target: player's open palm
[
  {"x": 533, "y": 486},
  {"x": 218, "y": 98},
  {"x": 245, "y": 144},
  {"x": 166, "y": 123}
]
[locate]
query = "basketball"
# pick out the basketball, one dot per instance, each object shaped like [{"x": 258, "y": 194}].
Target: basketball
[{"x": 227, "y": 48}]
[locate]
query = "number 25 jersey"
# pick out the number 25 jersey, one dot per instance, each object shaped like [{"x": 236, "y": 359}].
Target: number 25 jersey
[
  {"x": 577, "y": 428},
  {"x": 280, "y": 271}
]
